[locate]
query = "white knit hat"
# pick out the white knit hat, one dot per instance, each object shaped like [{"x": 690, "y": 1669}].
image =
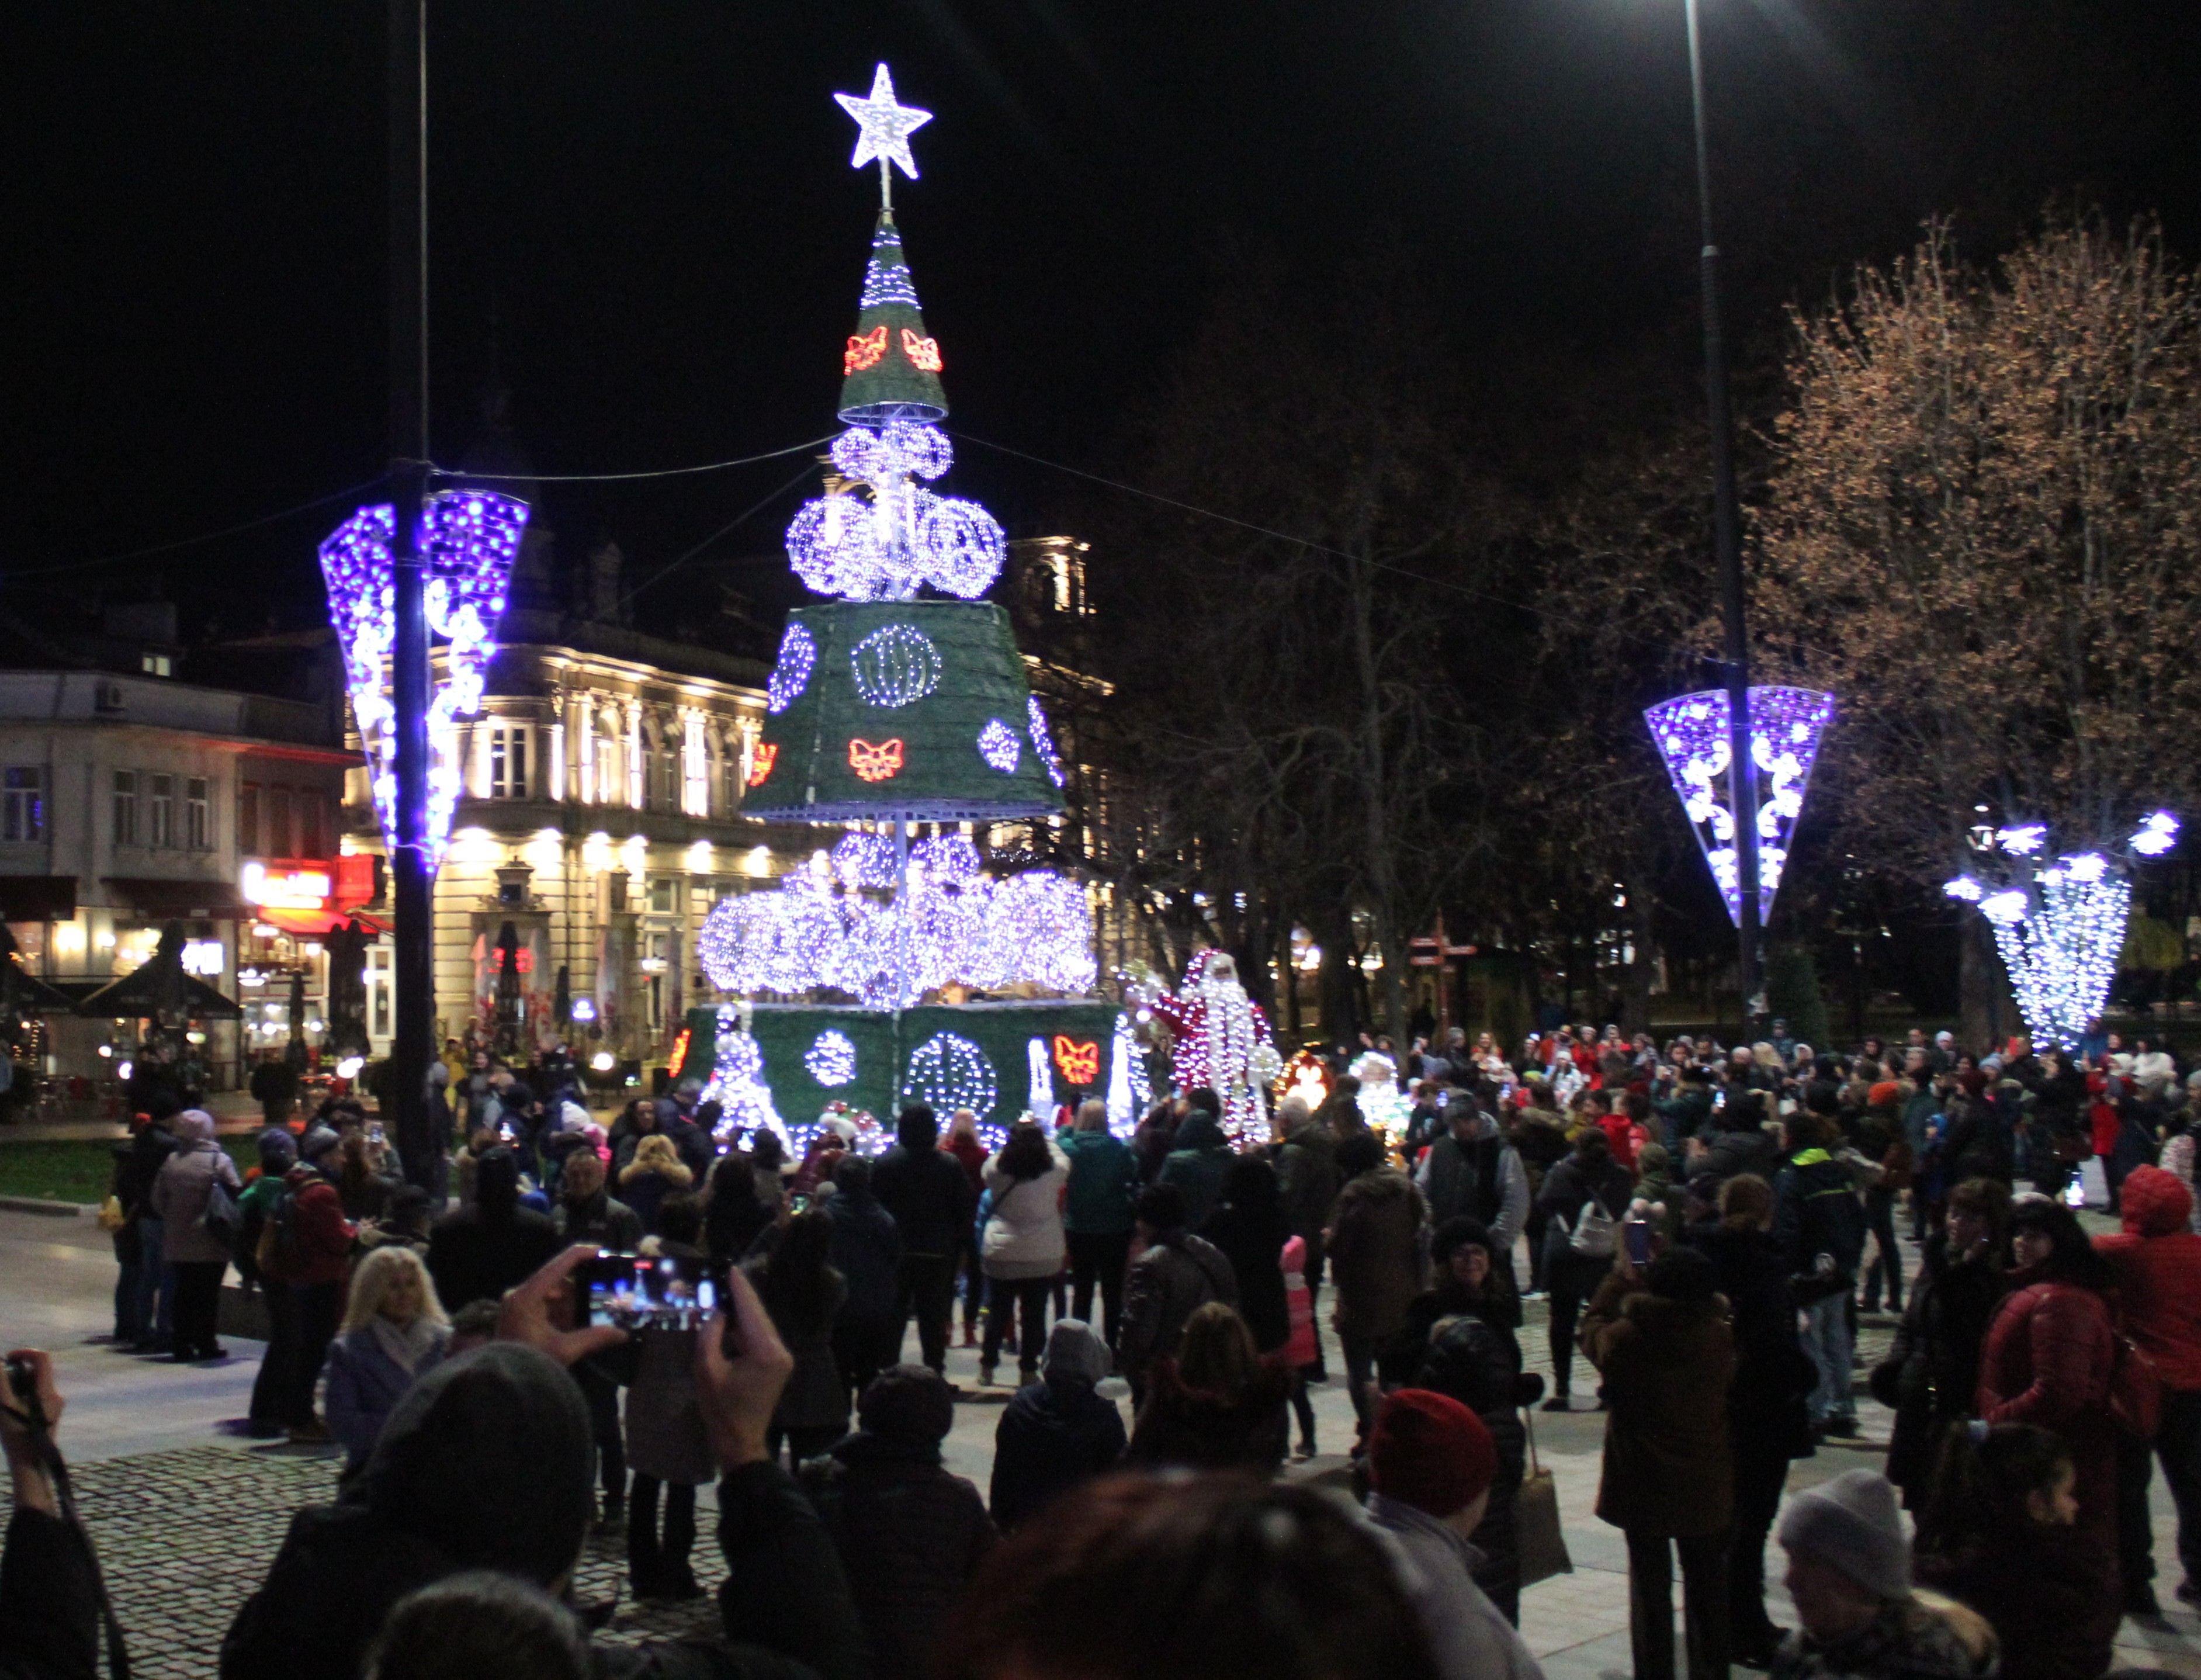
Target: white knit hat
[{"x": 1853, "y": 1523}]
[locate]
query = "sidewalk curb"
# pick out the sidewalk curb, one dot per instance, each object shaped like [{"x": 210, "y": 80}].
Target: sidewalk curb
[{"x": 57, "y": 1210}]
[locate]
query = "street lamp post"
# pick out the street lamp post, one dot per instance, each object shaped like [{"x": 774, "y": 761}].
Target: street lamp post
[
  {"x": 1727, "y": 546},
  {"x": 412, "y": 861}
]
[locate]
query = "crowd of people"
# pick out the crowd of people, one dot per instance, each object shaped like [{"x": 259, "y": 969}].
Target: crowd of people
[{"x": 1706, "y": 1226}]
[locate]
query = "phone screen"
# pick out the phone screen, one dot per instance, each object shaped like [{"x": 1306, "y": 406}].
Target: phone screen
[
  {"x": 645, "y": 1292},
  {"x": 1638, "y": 1232}
]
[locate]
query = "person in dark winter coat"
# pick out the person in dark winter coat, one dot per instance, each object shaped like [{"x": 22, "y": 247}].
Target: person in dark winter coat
[
  {"x": 867, "y": 1253},
  {"x": 1819, "y": 1222},
  {"x": 1057, "y": 1432},
  {"x": 1306, "y": 1169},
  {"x": 1251, "y": 1228},
  {"x": 478, "y": 1252},
  {"x": 1459, "y": 1340},
  {"x": 1589, "y": 1179},
  {"x": 1175, "y": 1275},
  {"x": 803, "y": 1292},
  {"x": 485, "y": 1465},
  {"x": 909, "y": 1534},
  {"x": 2003, "y": 1541},
  {"x": 667, "y": 1447},
  {"x": 1374, "y": 1242},
  {"x": 1768, "y": 1424},
  {"x": 1741, "y": 1145},
  {"x": 1215, "y": 1404},
  {"x": 2156, "y": 1261},
  {"x": 1660, "y": 1340},
  {"x": 930, "y": 1199},
  {"x": 1932, "y": 1371},
  {"x": 1197, "y": 1164},
  {"x": 2048, "y": 1359},
  {"x": 1097, "y": 1213},
  {"x": 588, "y": 1212},
  {"x": 743, "y": 1200}
]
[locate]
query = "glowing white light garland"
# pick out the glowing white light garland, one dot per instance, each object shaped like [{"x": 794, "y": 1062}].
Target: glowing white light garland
[
  {"x": 790, "y": 674},
  {"x": 1039, "y": 1080},
  {"x": 737, "y": 1081},
  {"x": 895, "y": 666},
  {"x": 948, "y": 1071},
  {"x": 831, "y": 1059},
  {"x": 999, "y": 746},
  {"x": 1042, "y": 740}
]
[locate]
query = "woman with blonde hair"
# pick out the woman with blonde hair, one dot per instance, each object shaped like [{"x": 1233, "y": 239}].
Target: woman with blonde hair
[
  {"x": 656, "y": 1172},
  {"x": 394, "y": 1330}
]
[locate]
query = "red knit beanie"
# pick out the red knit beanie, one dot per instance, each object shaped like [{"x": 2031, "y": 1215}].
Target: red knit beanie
[{"x": 1430, "y": 1452}]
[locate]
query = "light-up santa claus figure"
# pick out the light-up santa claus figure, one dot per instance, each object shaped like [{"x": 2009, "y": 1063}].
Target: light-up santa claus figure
[{"x": 1221, "y": 1041}]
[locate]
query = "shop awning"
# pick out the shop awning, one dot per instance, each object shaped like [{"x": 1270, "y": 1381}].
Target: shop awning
[
  {"x": 37, "y": 898},
  {"x": 36, "y": 997},
  {"x": 161, "y": 899},
  {"x": 316, "y": 923},
  {"x": 136, "y": 995}
]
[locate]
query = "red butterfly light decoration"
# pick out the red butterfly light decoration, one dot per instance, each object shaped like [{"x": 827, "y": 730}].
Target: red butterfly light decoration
[
  {"x": 924, "y": 353},
  {"x": 1079, "y": 1061},
  {"x": 866, "y": 349},
  {"x": 875, "y": 763},
  {"x": 766, "y": 755}
]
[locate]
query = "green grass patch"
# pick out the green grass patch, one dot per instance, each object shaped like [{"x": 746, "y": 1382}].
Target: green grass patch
[{"x": 81, "y": 1170}]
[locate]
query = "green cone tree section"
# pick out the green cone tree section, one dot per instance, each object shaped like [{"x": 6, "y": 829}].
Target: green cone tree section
[
  {"x": 895, "y": 720},
  {"x": 890, "y": 369}
]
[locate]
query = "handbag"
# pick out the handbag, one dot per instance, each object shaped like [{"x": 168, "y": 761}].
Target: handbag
[
  {"x": 221, "y": 1219},
  {"x": 111, "y": 1216},
  {"x": 1539, "y": 1545},
  {"x": 1595, "y": 1231}
]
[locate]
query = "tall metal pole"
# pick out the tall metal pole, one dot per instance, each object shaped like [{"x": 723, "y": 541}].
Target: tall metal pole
[
  {"x": 415, "y": 876},
  {"x": 1727, "y": 546}
]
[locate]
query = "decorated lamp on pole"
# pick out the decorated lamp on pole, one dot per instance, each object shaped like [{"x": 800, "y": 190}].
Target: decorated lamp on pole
[
  {"x": 2058, "y": 920},
  {"x": 1693, "y": 734}
]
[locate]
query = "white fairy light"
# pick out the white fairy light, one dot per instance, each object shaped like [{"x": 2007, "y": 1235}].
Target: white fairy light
[
  {"x": 1128, "y": 1091},
  {"x": 1039, "y": 1080},
  {"x": 882, "y": 125},
  {"x": 1042, "y": 740},
  {"x": 895, "y": 666},
  {"x": 999, "y": 746},
  {"x": 948, "y": 1071},
  {"x": 790, "y": 674},
  {"x": 2157, "y": 834}
]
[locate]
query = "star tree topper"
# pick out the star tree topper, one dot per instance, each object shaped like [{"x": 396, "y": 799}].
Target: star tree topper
[{"x": 883, "y": 131}]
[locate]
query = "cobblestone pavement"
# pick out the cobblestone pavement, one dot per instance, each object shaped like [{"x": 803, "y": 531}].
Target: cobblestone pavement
[{"x": 184, "y": 1538}]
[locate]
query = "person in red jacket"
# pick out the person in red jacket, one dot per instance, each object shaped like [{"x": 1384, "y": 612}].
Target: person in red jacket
[
  {"x": 2048, "y": 1359},
  {"x": 308, "y": 1251},
  {"x": 2158, "y": 1262}
]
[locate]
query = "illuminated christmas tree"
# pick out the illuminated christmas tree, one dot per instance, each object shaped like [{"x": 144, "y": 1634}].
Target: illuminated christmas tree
[{"x": 889, "y": 706}]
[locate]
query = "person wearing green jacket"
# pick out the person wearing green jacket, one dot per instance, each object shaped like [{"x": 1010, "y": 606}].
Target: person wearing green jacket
[{"x": 1096, "y": 1215}]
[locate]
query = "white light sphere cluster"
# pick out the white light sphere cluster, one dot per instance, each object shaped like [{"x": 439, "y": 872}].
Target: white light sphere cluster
[{"x": 902, "y": 536}]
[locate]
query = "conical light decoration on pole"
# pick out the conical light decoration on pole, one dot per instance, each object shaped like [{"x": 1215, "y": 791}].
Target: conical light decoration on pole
[{"x": 1786, "y": 725}]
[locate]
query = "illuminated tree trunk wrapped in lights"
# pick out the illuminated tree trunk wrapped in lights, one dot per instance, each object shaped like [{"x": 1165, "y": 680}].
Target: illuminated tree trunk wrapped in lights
[{"x": 2058, "y": 923}]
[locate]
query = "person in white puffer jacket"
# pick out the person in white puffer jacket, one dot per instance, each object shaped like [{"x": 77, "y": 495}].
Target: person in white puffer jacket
[{"x": 1023, "y": 1248}]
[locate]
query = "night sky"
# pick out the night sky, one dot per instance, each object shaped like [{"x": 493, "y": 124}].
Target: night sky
[{"x": 652, "y": 200}]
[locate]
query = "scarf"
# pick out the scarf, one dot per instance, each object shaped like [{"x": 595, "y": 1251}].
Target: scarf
[{"x": 407, "y": 1345}]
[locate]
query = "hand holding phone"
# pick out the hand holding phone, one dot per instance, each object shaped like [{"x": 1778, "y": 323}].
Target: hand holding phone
[{"x": 1637, "y": 1233}]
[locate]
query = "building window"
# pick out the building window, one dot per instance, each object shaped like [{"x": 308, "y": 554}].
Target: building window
[
  {"x": 248, "y": 818},
  {"x": 156, "y": 665},
  {"x": 198, "y": 822},
  {"x": 126, "y": 807},
  {"x": 161, "y": 832},
  {"x": 309, "y": 823},
  {"x": 23, "y": 803},
  {"x": 665, "y": 797},
  {"x": 610, "y": 788},
  {"x": 507, "y": 761},
  {"x": 278, "y": 823},
  {"x": 730, "y": 779}
]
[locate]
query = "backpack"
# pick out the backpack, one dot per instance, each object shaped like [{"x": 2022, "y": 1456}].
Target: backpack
[{"x": 278, "y": 1242}]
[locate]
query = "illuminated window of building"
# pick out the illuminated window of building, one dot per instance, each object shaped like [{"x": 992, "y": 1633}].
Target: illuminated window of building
[
  {"x": 23, "y": 802},
  {"x": 509, "y": 745},
  {"x": 126, "y": 807}
]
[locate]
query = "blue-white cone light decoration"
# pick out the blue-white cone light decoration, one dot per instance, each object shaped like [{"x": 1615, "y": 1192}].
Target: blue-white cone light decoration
[
  {"x": 1786, "y": 727},
  {"x": 2059, "y": 922},
  {"x": 468, "y": 540}
]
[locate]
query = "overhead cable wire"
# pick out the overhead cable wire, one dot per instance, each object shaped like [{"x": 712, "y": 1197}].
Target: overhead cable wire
[
  {"x": 619, "y": 478},
  {"x": 738, "y": 519},
  {"x": 204, "y": 536}
]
